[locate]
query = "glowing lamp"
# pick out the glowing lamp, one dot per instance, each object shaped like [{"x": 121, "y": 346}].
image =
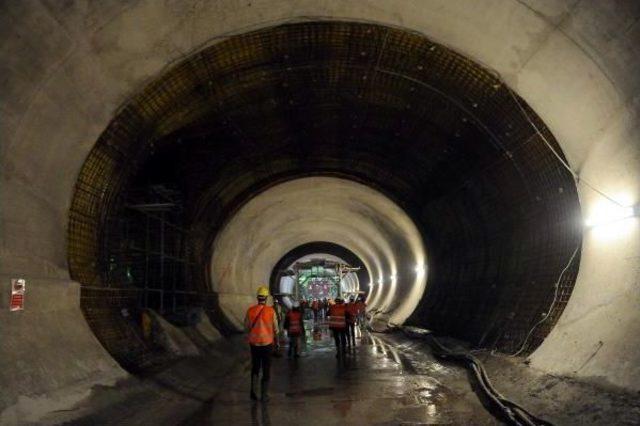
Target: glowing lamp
[{"x": 607, "y": 213}]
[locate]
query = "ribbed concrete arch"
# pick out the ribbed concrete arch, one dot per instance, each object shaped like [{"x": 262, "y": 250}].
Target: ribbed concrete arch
[
  {"x": 320, "y": 209},
  {"x": 575, "y": 64},
  {"x": 472, "y": 165}
]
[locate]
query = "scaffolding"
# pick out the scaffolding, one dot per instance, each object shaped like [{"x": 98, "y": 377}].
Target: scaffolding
[{"x": 146, "y": 249}]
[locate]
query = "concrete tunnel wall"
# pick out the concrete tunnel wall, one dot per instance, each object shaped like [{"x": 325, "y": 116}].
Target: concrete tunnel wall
[
  {"x": 320, "y": 209},
  {"x": 68, "y": 66}
]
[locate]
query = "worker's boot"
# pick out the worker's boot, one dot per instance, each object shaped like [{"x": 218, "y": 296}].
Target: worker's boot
[
  {"x": 254, "y": 387},
  {"x": 264, "y": 394}
]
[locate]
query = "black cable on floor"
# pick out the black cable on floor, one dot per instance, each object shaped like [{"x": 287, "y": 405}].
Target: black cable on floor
[{"x": 511, "y": 412}]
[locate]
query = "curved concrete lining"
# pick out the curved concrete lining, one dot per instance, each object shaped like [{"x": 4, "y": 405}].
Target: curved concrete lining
[
  {"x": 320, "y": 209},
  {"x": 68, "y": 67},
  {"x": 59, "y": 358}
]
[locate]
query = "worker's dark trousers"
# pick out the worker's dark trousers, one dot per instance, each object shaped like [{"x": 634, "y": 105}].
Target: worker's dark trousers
[
  {"x": 339, "y": 335},
  {"x": 261, "y": 360},
  {"x": 293, "y": 345},
  {"x": 351, "y": 334}
]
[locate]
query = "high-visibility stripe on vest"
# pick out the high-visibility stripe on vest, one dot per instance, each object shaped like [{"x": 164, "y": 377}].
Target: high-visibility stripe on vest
[
  {"x": 337, "y": 316},
  {"x": 262, "y": 333},
  {"x": 295, "y": 323}
]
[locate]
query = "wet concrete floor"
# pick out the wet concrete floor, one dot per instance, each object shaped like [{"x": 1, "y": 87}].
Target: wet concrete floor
[
  {"x": 384, "y": 380},
  {"x": 379, "y": 382}
]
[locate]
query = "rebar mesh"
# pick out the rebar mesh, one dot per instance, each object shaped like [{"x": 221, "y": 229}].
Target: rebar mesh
[{"x": 438, "y": 133}]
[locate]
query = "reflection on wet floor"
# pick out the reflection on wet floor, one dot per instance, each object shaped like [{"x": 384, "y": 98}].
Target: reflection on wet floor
[{"x": 382, "y": 381}]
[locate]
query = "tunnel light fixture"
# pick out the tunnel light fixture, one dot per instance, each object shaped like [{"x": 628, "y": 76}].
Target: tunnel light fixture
[
  {"x": 608, "y": 213},
  {"x": 611, "y": 220},
  {"x": 380, "y": 281},
  {"x": 393, "y": 277},
  {"x": 420, "y": 270}
]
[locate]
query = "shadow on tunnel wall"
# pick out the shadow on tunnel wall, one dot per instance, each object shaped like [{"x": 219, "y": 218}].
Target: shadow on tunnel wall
[{"x": 434, "y": 131}]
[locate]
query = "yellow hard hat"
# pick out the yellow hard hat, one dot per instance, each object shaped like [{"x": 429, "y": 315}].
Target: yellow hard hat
[{"x": 263, "y": 291}]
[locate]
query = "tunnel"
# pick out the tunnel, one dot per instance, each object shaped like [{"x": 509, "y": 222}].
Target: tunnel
[
  {"x": 320, "y": 250},
  {"x": 470, "y": 169}
]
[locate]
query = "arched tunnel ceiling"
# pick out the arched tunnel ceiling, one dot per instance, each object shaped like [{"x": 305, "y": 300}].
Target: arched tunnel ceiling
[
  {"x": 431, "y": 129},
  {"x": 299, "y": 212}
]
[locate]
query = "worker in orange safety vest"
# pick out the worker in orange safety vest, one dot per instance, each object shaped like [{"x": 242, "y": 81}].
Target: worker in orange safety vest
[
  {"x": 262, "y": 325},
  {"x": 352, "y": 318},
  {"x": 294, "y": 324},
  {"x": 338, "y": 326}
]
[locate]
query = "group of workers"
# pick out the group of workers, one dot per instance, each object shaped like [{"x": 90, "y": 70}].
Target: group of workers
[
  {"x": 262, "y": 325},
  {"x": 343, "y": 320}
]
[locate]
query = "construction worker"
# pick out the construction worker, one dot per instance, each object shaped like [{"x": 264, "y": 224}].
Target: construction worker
[
  {"x": 304, "y": 305},
  {"x": 262, "y": 325},
  {"x": 315, "y": 306},
  {"x": 279, "y": 308},
  {"x": 362, "y": 309},
  {"x": 352, "y": 318},
  {"x": 294, "y": 324},
  {"x": 338, "y": 325}
]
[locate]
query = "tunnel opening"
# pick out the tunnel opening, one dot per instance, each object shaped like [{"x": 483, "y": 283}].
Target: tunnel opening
[
  {"x": 429, "y": 128},
  {"x": 319, "y": 276},
  {"x": 319, "y": 250},
  {"x": 298, "y": 213}
]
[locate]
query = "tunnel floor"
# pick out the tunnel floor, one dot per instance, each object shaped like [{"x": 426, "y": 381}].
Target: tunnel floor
[
  {"x": 375, "y": 384},
  {"x": 383, "y": 381},
  {"x": 387, "y": 380}
]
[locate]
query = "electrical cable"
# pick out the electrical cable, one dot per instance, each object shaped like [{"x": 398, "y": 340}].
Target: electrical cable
[
  {"x": 553, "y": 303},
  {"x": 575, "y": 174},
  {"x": 511, "y": 412}
]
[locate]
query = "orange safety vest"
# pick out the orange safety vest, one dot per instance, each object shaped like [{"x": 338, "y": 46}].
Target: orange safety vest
[
  {"x": 337, "y": 317},
  {"x": 295, "y": 327},
  {"x": 262, "y": 333},
  {"x": 352, "y": 310}
]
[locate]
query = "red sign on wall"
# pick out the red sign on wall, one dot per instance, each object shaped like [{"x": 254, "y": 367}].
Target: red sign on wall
[{"x": 18, "y": 287}]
